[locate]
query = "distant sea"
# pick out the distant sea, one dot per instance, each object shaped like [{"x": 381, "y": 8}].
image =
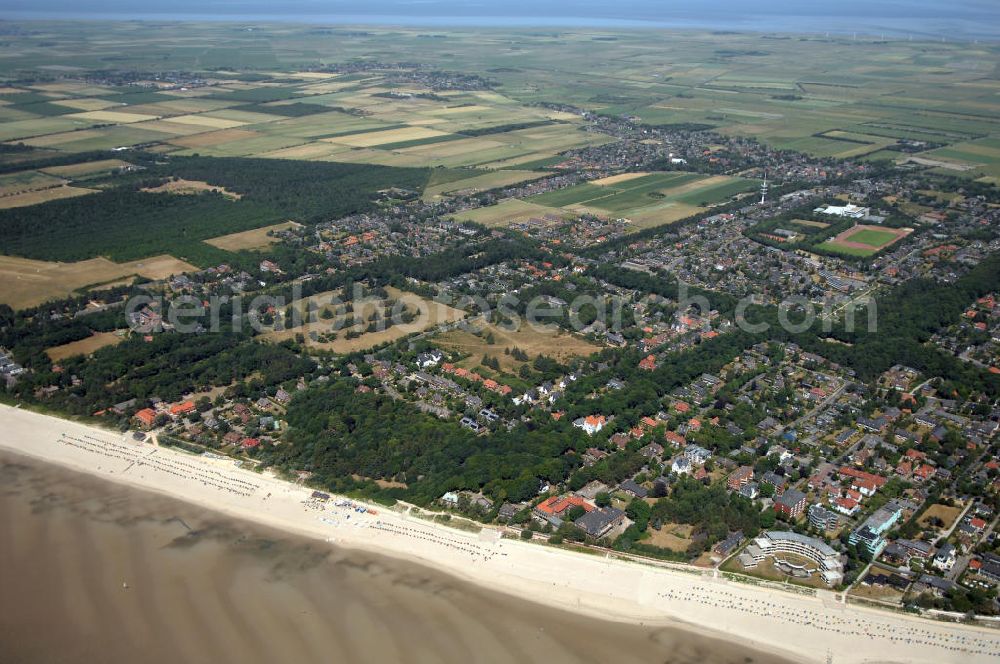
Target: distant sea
[{"x": 957, "y": 20}]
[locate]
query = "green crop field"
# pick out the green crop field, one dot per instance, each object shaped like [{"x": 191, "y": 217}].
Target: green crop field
[{"x": 651, "y": 193}]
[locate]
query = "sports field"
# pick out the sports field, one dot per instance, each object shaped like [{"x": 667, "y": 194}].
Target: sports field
[{"x": 865, "y": 240}]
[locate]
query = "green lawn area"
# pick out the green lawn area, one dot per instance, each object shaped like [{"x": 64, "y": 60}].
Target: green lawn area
[
  {"x": 872, "y": 238},
  {"x": 847, "y": 251}
]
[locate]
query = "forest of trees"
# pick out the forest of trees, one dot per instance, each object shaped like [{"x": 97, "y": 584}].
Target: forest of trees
[
  {"x": 125, "y": 223},
  {"x": 336, "y": 432}
]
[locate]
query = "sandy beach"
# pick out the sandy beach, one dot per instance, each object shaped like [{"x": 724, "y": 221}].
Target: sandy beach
[
  {"x": 796, "y": 627},
  {"x": 203, "y": 587}
]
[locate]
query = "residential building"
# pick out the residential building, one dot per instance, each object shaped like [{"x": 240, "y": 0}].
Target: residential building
[
  {"x": 830, "y": 564},
  {"x": 822, "y": 518},
  {"x": 740, "y": 477},
  {"x": 945, "y": 557},
  {"x": 871, "y": 534},
  {"x": 598, "y": 523},
  {"x": 791, "y": 503},
  {"x": 591, "y": 424}
]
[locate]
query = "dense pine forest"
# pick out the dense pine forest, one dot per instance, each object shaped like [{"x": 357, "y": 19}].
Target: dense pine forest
[{"x": 125, "y": 223}]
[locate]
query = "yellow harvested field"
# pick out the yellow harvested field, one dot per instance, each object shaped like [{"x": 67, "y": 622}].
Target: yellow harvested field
[
  {"x": 426, "y": 121},
  {"x": 117, "y": 117},
  {"x": 205, "y": 121},
  {"x": 181, "y": 186},
  {"x": 554, "y": 343},
  {"x": 182, "y": 106},
  {"x": 256, "y": 238},
  {"x": 42, "y": 196},
  {"x": 517, "y": 161},
  {"x": 51, "y": 140},
  {"x": 87, "y": 104},
  {"x": 316, "y": 75},
  {"x": 454, "y": 148},
  {"x": 615, "y": 179},
  {"x": 215, "y": 138},
  {"x": 373, "y": 138},
  {"x": 656, "y": 216},
  {"x": 328, "y": 86},
  {"x": 72, "y": 87},
  {"x": 697, "y": 185},
  {"x": 455, "y": 110},
  {"x": 560, "y": 115},
  {"x": 307, "y": 151},
  {"x": 86, "y": 168},
  {"x": 429, "y": 314},
  {"x": 172, "y": 128},
  {"x": 86, "y": 346},
  {"x": 26, "y": 283}
]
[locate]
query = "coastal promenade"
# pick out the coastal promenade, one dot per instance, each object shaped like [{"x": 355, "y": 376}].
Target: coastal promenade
[{"x": 797, "y": 627}]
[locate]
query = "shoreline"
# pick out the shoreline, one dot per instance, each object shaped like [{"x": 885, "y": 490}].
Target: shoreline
[{"x": 591, "y": 585}]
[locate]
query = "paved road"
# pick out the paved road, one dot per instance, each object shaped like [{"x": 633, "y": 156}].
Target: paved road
[{"x": 829, "y": 399}]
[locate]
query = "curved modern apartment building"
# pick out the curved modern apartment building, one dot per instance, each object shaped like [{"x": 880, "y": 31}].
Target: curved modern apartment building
[{"x": 829, "y": 563}]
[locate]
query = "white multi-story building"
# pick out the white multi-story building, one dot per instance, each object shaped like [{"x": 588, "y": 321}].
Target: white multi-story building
[{"x": 829, "y": 563}]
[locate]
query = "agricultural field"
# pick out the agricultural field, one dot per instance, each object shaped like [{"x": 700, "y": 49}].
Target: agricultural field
[
  {"x": 472, "y": 180},
  {"x": 648, "y": 199},
  {"x": 86, "y": 168},
  {"x": 27, "y": 283},
  {"x": 779, "y": 90},
  {"x": 507, "y": 212},
  {"x": 982, "y": 157},
  {"x": 369, "y": 120},
  {"x": 559, "y": 345},
  {"x": 24, "y": 181},
  {"x": 865, "y": 240},
  {"x": 29, "y": 198}
]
